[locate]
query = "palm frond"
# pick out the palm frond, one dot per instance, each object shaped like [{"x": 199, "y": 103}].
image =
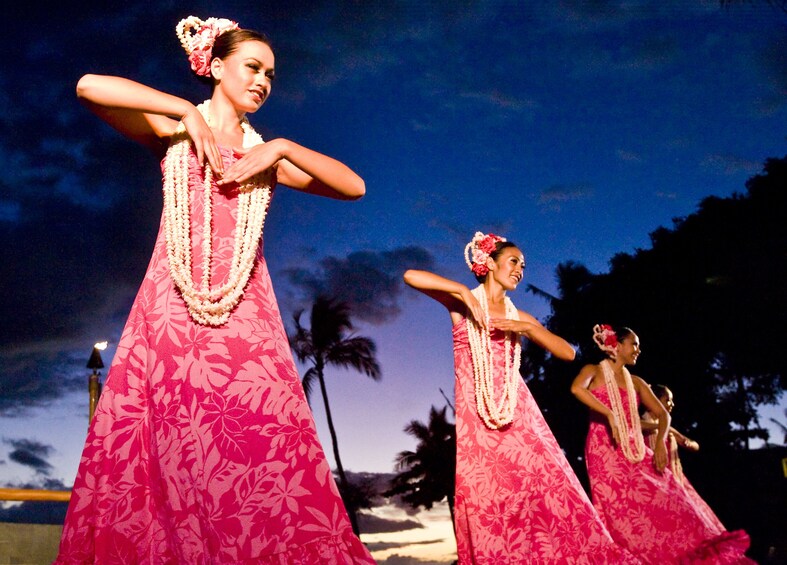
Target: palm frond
[
  {"x": 356, "y": 353},
  {"x": 301, "y": 340},
  {"x": 330, "y": 321},
  {"x": 307, "y": 382},
  {"x": 536, "y": 291}
]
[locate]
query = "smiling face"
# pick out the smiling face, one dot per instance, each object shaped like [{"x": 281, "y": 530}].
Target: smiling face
[
  {"x": 244, "y": 77},
  {"x": 628, "y": 349},
  {"x": 666, "y": 399},
  {"x": 507, "y": 268}
]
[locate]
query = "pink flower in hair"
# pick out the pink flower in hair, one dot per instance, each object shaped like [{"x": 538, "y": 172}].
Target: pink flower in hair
[
  {"x": 479, "y": 256},
  {"x": 199, "y": 45},
  {"x": 200, "y": 62},
  {"x": 609, "y": 336},
  {"x": 487, "y": 245},
  {"x": 606, "y": 338},
  {"x": 479, "y": 269},
  {"x": 478, "y": 251}
]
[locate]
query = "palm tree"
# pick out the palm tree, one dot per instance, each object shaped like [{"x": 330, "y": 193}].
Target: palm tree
[
  {"x": 328, "y": 343},
  {"x": 426, "y": 475}
]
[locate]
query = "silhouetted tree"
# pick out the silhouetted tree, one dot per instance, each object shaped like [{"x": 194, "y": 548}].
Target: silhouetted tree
[
  {"x": 426, "y": 475},
  {"x": 327, "y": 343},
  {"x": 358, "y": 492},
  {"x": 708, "y": 302}
]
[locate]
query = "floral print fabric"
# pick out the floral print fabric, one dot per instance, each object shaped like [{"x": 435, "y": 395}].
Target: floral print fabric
[
  {"x": 651, "y": 513},
  {"x": 517, "y": 498},
  {"x": 203, "y": 449},
  {"x": 677, "y": 470}
]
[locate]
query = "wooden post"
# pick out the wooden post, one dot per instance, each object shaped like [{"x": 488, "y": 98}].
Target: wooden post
[{"x": 94, "y": 390}]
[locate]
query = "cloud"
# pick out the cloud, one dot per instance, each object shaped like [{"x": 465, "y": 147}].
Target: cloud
[
  {"x": 731, "y": 165},
  {"x": 372, "y": 524},
  {"x": 45, "y": 352},
  {"x": 554, "y": 197},
  {"x": 500, "y": 100},
  {"x": 36, "y": 512},
  {"x": 396, "y": 559},
  {"x": 595, "y": 15},
  {"x": 773, "y": 61},
  {"x": 370, "y": 282},
  {"x": 36, "y": 373},
  {"x": 652, "y": 54},
  {"x": 30, "y": 453},
  {"x": 78, "y": 214},
  {"x": 629, "y": 156}
]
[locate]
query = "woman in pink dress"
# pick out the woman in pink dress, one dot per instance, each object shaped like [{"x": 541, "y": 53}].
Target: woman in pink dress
[
  {"x": 517, "y": 499},
  {"x": 203, "y": 448},
  {"x": 645, "y": 507},
  {"x": 674, "y": 439}
]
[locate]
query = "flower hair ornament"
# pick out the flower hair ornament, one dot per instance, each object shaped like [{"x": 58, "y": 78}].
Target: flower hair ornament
[
  {"x": 606, "y": 339},
  {"x": 197, "y": 38},
  {"x": 478, "y": 251}
]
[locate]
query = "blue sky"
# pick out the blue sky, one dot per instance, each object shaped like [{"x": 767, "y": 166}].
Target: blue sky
[{"x": 575, "y": 128}]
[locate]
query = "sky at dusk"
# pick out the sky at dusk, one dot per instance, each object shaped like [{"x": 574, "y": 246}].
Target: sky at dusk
[{"x": 574, "y": 128}]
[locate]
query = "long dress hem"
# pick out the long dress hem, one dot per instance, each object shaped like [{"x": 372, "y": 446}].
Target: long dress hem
[
  {"x": 517, "y": 498},
  {"x": 649, "y": 513},
  {"x": 203, "y": 449}
]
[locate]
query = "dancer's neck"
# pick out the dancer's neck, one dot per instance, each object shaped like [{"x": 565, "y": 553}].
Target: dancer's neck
[
  {"x": 495, "y": 294},
  {"x": 224, "y": 117}
]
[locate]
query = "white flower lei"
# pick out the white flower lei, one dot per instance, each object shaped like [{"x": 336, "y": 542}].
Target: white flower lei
[
  {"x": 495, "y": 414},
  {"x": 210, "y": 307},
  {"x": 672, "y": 445},
  {"x": 616, "y": 404}
]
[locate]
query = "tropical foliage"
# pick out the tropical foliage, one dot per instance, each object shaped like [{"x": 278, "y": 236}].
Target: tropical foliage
[
  {"x": 328, "y": 342},
  {"x": 426, "y": 475}
]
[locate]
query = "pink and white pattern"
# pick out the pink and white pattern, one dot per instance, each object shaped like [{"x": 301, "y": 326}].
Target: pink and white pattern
[
  {"x": 650, "y": 513},
  {"x": 517, "y": 498},
  {"x": 203, "y": 448}
]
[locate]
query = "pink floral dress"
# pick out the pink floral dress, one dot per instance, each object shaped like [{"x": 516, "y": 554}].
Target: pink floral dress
[
  {"x": 203, "y": 449},
  {"x": 650, "y": 513},
  {"x": 517, "y": 498},
  {"x": 677, "y": 469}
]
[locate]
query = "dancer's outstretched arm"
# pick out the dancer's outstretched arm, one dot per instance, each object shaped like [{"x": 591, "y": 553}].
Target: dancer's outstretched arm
[
  {"x": 532, "y": 329},
  {"x": 455, "y": 296},
  {"x": 650, "y": 426},
  {"x": 145, "y": 114},
  {"x": 684, "y": 441},
  {"x": 299, "y": 168}
]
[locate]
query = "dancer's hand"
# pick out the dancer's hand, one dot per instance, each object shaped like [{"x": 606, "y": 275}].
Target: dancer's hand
[
  {"x": 517, "y": 326},
  {"x": 690, "y": 444},
  {"x": 254, "y": 160},
  {"x": 473, "y": 307},
  {"x": 505, "y": 325},
  {"x": 203, "y": 140},
  {"x": 660, "y": 457}
]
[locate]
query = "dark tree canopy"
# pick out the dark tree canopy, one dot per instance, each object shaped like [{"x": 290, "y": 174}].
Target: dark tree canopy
[
  {"x": 707, "y": 300},
  {"x": 426, "y": 476}
]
